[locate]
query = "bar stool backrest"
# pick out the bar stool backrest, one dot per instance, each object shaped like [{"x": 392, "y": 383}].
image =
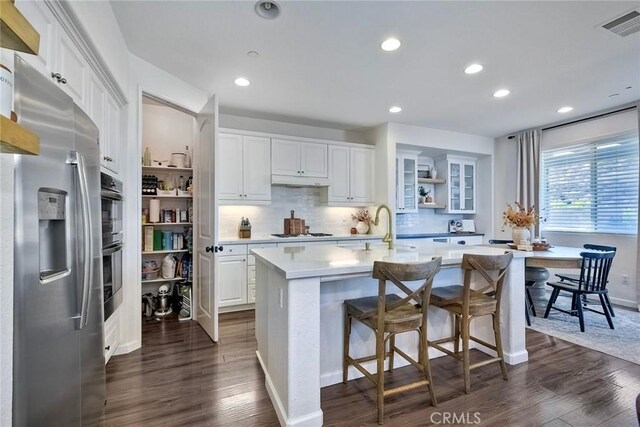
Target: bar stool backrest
[
  {"x": 594, "y": 273},
  {"x": 396, "y": 273},
  {"x": 492, "y": 268}
]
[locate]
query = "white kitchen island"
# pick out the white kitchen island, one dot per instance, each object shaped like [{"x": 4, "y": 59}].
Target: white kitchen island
[{"x": 299, "y": 316}]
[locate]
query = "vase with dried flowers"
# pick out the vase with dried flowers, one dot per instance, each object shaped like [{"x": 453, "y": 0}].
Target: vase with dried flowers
[
  {"x": 364, "y": 220},
  {"x": 520, "y": 220}
]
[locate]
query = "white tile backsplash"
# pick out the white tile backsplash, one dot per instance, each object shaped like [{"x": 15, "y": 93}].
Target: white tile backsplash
[
  {"x": 425, "y": 221},
  {"x": 306, "y": 202}
]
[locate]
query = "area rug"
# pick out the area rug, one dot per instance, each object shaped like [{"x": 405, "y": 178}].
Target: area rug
[{"x": 622, "y": 342}]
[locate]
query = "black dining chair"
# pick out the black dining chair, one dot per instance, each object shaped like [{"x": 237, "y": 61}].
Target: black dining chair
[
  {"x": 528, "y": 302},
  {"x": 593, "y": 279},
  {"x": 575, "y": 278}
]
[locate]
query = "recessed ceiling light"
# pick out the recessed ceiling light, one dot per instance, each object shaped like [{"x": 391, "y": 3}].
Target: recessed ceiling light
[
  {"x": 267, "y": 9},
  {"x": 395, "y": 109},
  {"x": 390, "y": 44},
  {"x": 501, "y": 93},
  {"x": 565, "y": 109},
  {"x": 473, "y": 68},
  {"x": 241, "y": 81}
]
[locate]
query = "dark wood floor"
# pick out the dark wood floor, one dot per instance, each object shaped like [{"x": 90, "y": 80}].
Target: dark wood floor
[{"x": 180, "y": 378}]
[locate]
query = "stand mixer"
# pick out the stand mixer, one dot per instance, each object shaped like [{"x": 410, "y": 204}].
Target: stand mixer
[{"x": 163, "y": 302}]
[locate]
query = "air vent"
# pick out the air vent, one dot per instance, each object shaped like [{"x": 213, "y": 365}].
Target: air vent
[{"x": 624, "y": 25}]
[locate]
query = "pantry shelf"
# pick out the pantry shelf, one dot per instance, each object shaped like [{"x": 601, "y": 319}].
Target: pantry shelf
[
  {"x": 144, "y": 196},
  {"x": 175, "y": 251},
  {"x": 165, "y": 169},
  {"x": 177, "y": 279},
  {"x": 155, "y": 224}
]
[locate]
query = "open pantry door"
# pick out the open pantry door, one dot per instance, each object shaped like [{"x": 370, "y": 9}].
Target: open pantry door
[{"x": 207, "y": 226}]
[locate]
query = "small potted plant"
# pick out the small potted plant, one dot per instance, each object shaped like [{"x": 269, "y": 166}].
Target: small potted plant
[
  {"x": 364, "y": 220},
  {"x": 423, "y": 195}
]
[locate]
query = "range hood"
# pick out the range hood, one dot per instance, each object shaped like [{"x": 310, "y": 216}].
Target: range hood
[{"x": 298, "y": 181}]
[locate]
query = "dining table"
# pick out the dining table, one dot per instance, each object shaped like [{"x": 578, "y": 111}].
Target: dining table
[{"x": 537, "y": 264}]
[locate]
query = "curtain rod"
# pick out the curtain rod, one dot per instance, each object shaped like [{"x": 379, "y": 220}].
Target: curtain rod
[{"x": 633, "y": 107}]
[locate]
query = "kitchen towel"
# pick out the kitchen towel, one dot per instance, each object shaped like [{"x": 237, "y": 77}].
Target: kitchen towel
[{"x": 154, "y": 210}]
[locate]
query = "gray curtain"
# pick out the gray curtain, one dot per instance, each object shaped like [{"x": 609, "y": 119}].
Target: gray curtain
[{"x": 528, "y": 176}]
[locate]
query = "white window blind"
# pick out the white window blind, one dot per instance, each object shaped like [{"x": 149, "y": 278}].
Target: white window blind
[{"x": 592, "y": 187}]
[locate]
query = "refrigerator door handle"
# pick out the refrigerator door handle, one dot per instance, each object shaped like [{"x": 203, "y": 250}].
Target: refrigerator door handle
[{"x": 77, "y": 160}]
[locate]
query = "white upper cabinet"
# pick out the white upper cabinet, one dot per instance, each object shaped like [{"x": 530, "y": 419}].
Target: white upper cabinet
[
  {"x": 230, "y": 167},
  {"x": 244, "y": 168},
  {"x": 256, "y": 170},
  {"x": 460, "y": 197},
  {"x": 351, "y": 175},
  {"x": 406, "y": 182},
  {"x": 296, "y": 158},
  {"x": 313, "y": 160},
  {"x": 339, "y": 174},
  {"x": 362, "y": 175},
  {"x": 72, "y": 68},
  {"x": 111, "y": 141},
  {"x": 42, "y": 19}
]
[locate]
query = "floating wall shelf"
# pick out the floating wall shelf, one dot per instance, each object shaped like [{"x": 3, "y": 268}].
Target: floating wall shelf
[
  {"x": 15, "y": 139},
  {"x": 16, "y": 32}
]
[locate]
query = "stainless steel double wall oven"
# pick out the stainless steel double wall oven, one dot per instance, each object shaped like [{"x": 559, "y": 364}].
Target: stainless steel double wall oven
[{"x": 111, "y": 195}]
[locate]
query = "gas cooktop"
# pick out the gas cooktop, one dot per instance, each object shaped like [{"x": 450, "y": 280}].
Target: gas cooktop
[{"x": 303, "y": 235}]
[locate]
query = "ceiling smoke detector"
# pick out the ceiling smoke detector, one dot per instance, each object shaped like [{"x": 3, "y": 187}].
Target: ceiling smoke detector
[
  {"x": 624, "y": 25},
  {"x": 268, "y": 9}
]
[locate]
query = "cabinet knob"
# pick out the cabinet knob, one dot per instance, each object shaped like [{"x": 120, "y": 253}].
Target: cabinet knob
[
  {"x": 56, "y": 76},
  {"x": 63, "y": 81},
  {"x": 302, "y": 171},
  {"x": 298, "y": 171},
  {"x": 245, "y": 195}
]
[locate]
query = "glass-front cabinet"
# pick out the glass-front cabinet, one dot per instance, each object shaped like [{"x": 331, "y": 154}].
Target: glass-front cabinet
[
  {"x": 406, "y": 182},
  {"x": 461, "y": 184}
]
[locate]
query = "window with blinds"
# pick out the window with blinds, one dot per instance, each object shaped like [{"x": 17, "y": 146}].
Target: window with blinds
[{"x": 591, "y": 187}]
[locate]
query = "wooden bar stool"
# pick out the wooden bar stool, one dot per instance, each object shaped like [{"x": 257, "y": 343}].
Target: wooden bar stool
[
  {"x": 388, "y": 315},
  {"x": 467, "y": 304}
]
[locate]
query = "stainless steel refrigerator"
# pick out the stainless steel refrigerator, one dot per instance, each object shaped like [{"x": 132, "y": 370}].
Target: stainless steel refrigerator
[{"x": 59, "y": 375}]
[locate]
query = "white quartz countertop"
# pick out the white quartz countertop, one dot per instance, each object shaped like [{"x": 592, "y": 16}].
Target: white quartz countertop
[
  {"x": 324, "y": 261},
  {"x": 231, "y": 240}
]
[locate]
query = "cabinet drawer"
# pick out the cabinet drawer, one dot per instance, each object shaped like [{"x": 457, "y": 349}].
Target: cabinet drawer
[
  {"x": 251, "y": 275},
  {"x": 297, "y": 244},
  {"x": 233, "y": 250},
  {"x": 251, "y": 294},
  {"x": 111, "y": 336}
]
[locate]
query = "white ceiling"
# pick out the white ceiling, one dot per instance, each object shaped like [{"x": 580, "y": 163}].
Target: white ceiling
[{"x": 320, "y": 61}]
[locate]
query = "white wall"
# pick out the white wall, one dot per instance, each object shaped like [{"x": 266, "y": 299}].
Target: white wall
[
  {"x": 100, "y": 29},
  {"x": 506, "y": 153},
  {"x": 6, "y": 287},
  {"x": 442, "y": 139},
  {"x": 166, "y": 130}
]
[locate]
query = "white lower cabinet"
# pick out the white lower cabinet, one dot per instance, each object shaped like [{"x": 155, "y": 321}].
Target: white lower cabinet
[
  {"x": 232, "y": 279},
  {"x": 111, "y": 335}
]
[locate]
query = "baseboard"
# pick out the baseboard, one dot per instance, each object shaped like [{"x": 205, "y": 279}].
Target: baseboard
[
  {"x": 234, "y": 308},
  {"x": 314, "y": 419},
  {"x": 128, "y": 347},
  {"x": 624, "y": 302}
]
